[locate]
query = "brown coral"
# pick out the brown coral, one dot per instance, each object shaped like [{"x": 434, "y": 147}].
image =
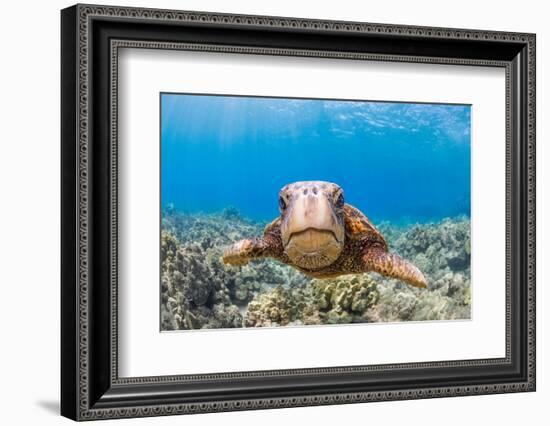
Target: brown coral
[{"x": 334, "y": 301}]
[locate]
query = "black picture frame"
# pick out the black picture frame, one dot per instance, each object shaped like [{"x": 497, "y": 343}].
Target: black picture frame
[{"x": 90, "y": 386}]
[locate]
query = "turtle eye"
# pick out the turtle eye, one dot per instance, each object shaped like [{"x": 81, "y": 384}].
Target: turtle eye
[
  {"x": 340, "y": 201},
  {"x": 282, "y": 203}
]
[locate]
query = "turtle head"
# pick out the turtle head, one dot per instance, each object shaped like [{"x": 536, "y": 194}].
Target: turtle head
[{"x": 312, "y": 223}]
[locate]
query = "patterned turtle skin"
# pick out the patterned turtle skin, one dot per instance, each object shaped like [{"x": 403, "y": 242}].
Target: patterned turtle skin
[{"x": 323, "y": 237}]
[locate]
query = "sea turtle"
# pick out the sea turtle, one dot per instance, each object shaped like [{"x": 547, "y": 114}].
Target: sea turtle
[{"x": 323, "y": 237}]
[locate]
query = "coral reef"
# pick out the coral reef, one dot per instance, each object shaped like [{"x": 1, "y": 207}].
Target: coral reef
[
  {"x": 345, "y": 299},
  {"x": 198, "y": 291},
  {"x": 442, "y": 252},
  {"x": 342, "y": 300},
  {"x": 191, "y": 296},
  {"x": 276, "y": 307}
]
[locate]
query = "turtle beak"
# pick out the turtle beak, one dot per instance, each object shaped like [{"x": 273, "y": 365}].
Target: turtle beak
[{"x": 311, "y": 211}]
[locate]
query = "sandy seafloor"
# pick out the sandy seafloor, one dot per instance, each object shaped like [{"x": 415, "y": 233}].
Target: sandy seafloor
[{"x": 198, "y": 291}]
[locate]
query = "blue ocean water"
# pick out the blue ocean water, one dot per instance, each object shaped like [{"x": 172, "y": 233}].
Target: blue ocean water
[{"x": 397, "y": 162}]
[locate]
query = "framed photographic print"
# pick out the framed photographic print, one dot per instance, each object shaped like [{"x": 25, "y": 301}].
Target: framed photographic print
[{"x": 263, "y": 212}]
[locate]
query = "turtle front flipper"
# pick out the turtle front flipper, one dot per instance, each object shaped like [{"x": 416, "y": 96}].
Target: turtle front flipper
[
  {"x": 239, "y": 253},
  {"x": 393, "y": 266}
]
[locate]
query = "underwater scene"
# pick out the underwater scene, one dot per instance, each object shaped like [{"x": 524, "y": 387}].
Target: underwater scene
[{"x": 294, "y": 212}]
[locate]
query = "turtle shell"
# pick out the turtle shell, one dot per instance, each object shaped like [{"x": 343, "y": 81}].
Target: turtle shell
[{"x": 360, "y": 228}]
